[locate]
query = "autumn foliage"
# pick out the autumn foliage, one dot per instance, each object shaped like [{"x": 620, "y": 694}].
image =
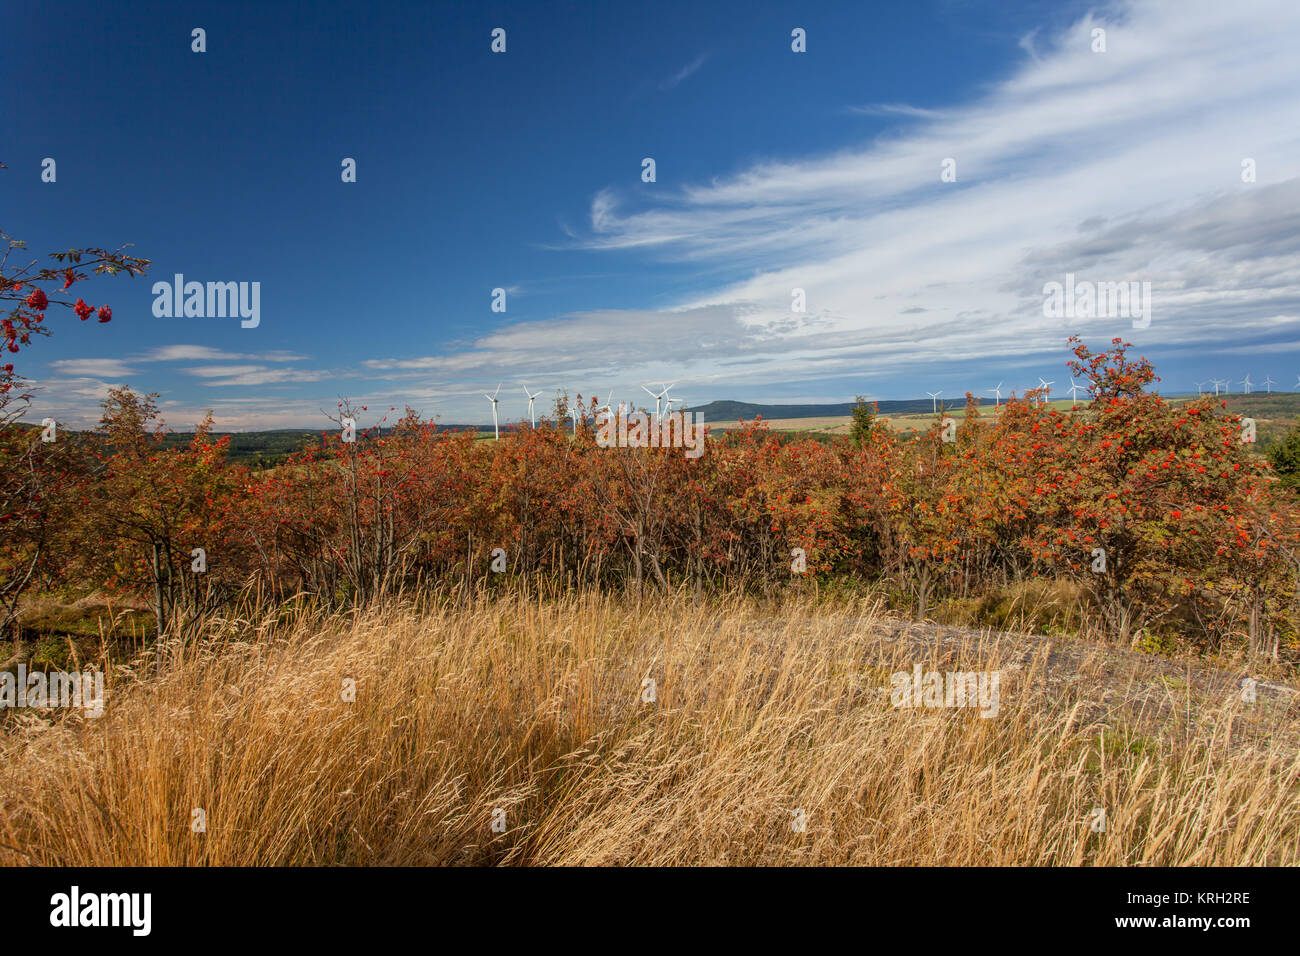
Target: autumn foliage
[{"x": 1158, "y": 513}]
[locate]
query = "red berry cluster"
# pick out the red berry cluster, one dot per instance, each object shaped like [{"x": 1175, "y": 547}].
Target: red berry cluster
[{"x": 17, "y": 328}]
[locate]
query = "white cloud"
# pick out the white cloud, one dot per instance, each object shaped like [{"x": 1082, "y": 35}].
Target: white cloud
[
  {"x": 895, "y": 109},
  {"x": 205, "y": 353},
  {"x": 226, "y": 375},
  {"x": 688, "y": 70},
  {"x": 224, "y": 371},
  {"x": 94, "y": 368}
]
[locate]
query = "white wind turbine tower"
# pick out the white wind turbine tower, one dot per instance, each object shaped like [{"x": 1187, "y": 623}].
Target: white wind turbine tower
[
  {"x": 1268, "y": 384},
  {"x": 1216, "y": 383},
  {"x": 997, "y": 391},
  {"x": 493, "y": 399},
  {"x": 609, "y": 405},
  {"x": 1246, "y": 383},
  {"x": 1045, "y": 385},
  {"x": 934, "y": 400},
  {"x": 1199, "y": 386},
  {"x": 658, "y": 398},
  {"x": 532, "y": 415},
  {"x": 573, "y": 413},
  {"x": 1074, "y": 387},
  {"x": 609, "y": 408}
]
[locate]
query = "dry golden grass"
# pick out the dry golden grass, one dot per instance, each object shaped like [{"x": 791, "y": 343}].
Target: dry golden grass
[{"x": 535, "y": 707}]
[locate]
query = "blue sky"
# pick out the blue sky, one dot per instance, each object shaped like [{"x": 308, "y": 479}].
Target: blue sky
[{"x": 775, "y": 170}]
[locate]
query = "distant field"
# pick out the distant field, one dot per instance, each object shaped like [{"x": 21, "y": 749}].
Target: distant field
[
  {"x": 833, "y": 425},
  {"x": 839, "y": 425},
  {"x": 1274, "y": 415}
]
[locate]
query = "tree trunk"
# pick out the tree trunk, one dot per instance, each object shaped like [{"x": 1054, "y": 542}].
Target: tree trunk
[{"x": 159, "y": 612}]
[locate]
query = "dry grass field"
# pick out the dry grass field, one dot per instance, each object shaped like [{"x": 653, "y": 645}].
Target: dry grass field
[{"x": 540, "y": 716}]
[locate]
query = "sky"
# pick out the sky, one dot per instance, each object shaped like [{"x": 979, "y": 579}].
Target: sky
[{"x": 774, "y": 170}]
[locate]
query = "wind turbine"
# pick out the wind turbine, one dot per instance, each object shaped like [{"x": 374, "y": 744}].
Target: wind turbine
[
  {"x": 573, "y": 413},
  {"x": 1042, "y": 399},
  {"x": 1268, "y": 384},
  {"x": 997, "y": 391},
  {"x": 1217, "y": 383},
  {"x": 607, "y": 408},
  {"x": 532, "y": 415},
  {"x": 1074, "y": 387},
  {"x": 493, "y": 399},
  {"x": 658, "y": 398},
  {"x": 1246, "y": 382},
  {"x": 1199, "y": 386},
  {"x": 934, "y": 399}
]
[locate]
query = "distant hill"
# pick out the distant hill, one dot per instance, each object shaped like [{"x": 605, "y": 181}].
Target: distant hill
[
  {"x": 256, "y": 446},
  {"x": 733, "y": 411}
]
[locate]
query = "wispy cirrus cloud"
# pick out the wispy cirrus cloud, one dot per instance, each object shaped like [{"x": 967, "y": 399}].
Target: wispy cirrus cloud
[
  {"x": 94, "y": 368},
  {"x": 205, "y": 353},
  {"x": 230, "y": 375},
  {"x": 896, "y": 109},
  {"x": 690, "y": 69}
]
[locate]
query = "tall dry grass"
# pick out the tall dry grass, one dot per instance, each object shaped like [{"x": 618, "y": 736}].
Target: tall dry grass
[{"x": 535, "y": 707}]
